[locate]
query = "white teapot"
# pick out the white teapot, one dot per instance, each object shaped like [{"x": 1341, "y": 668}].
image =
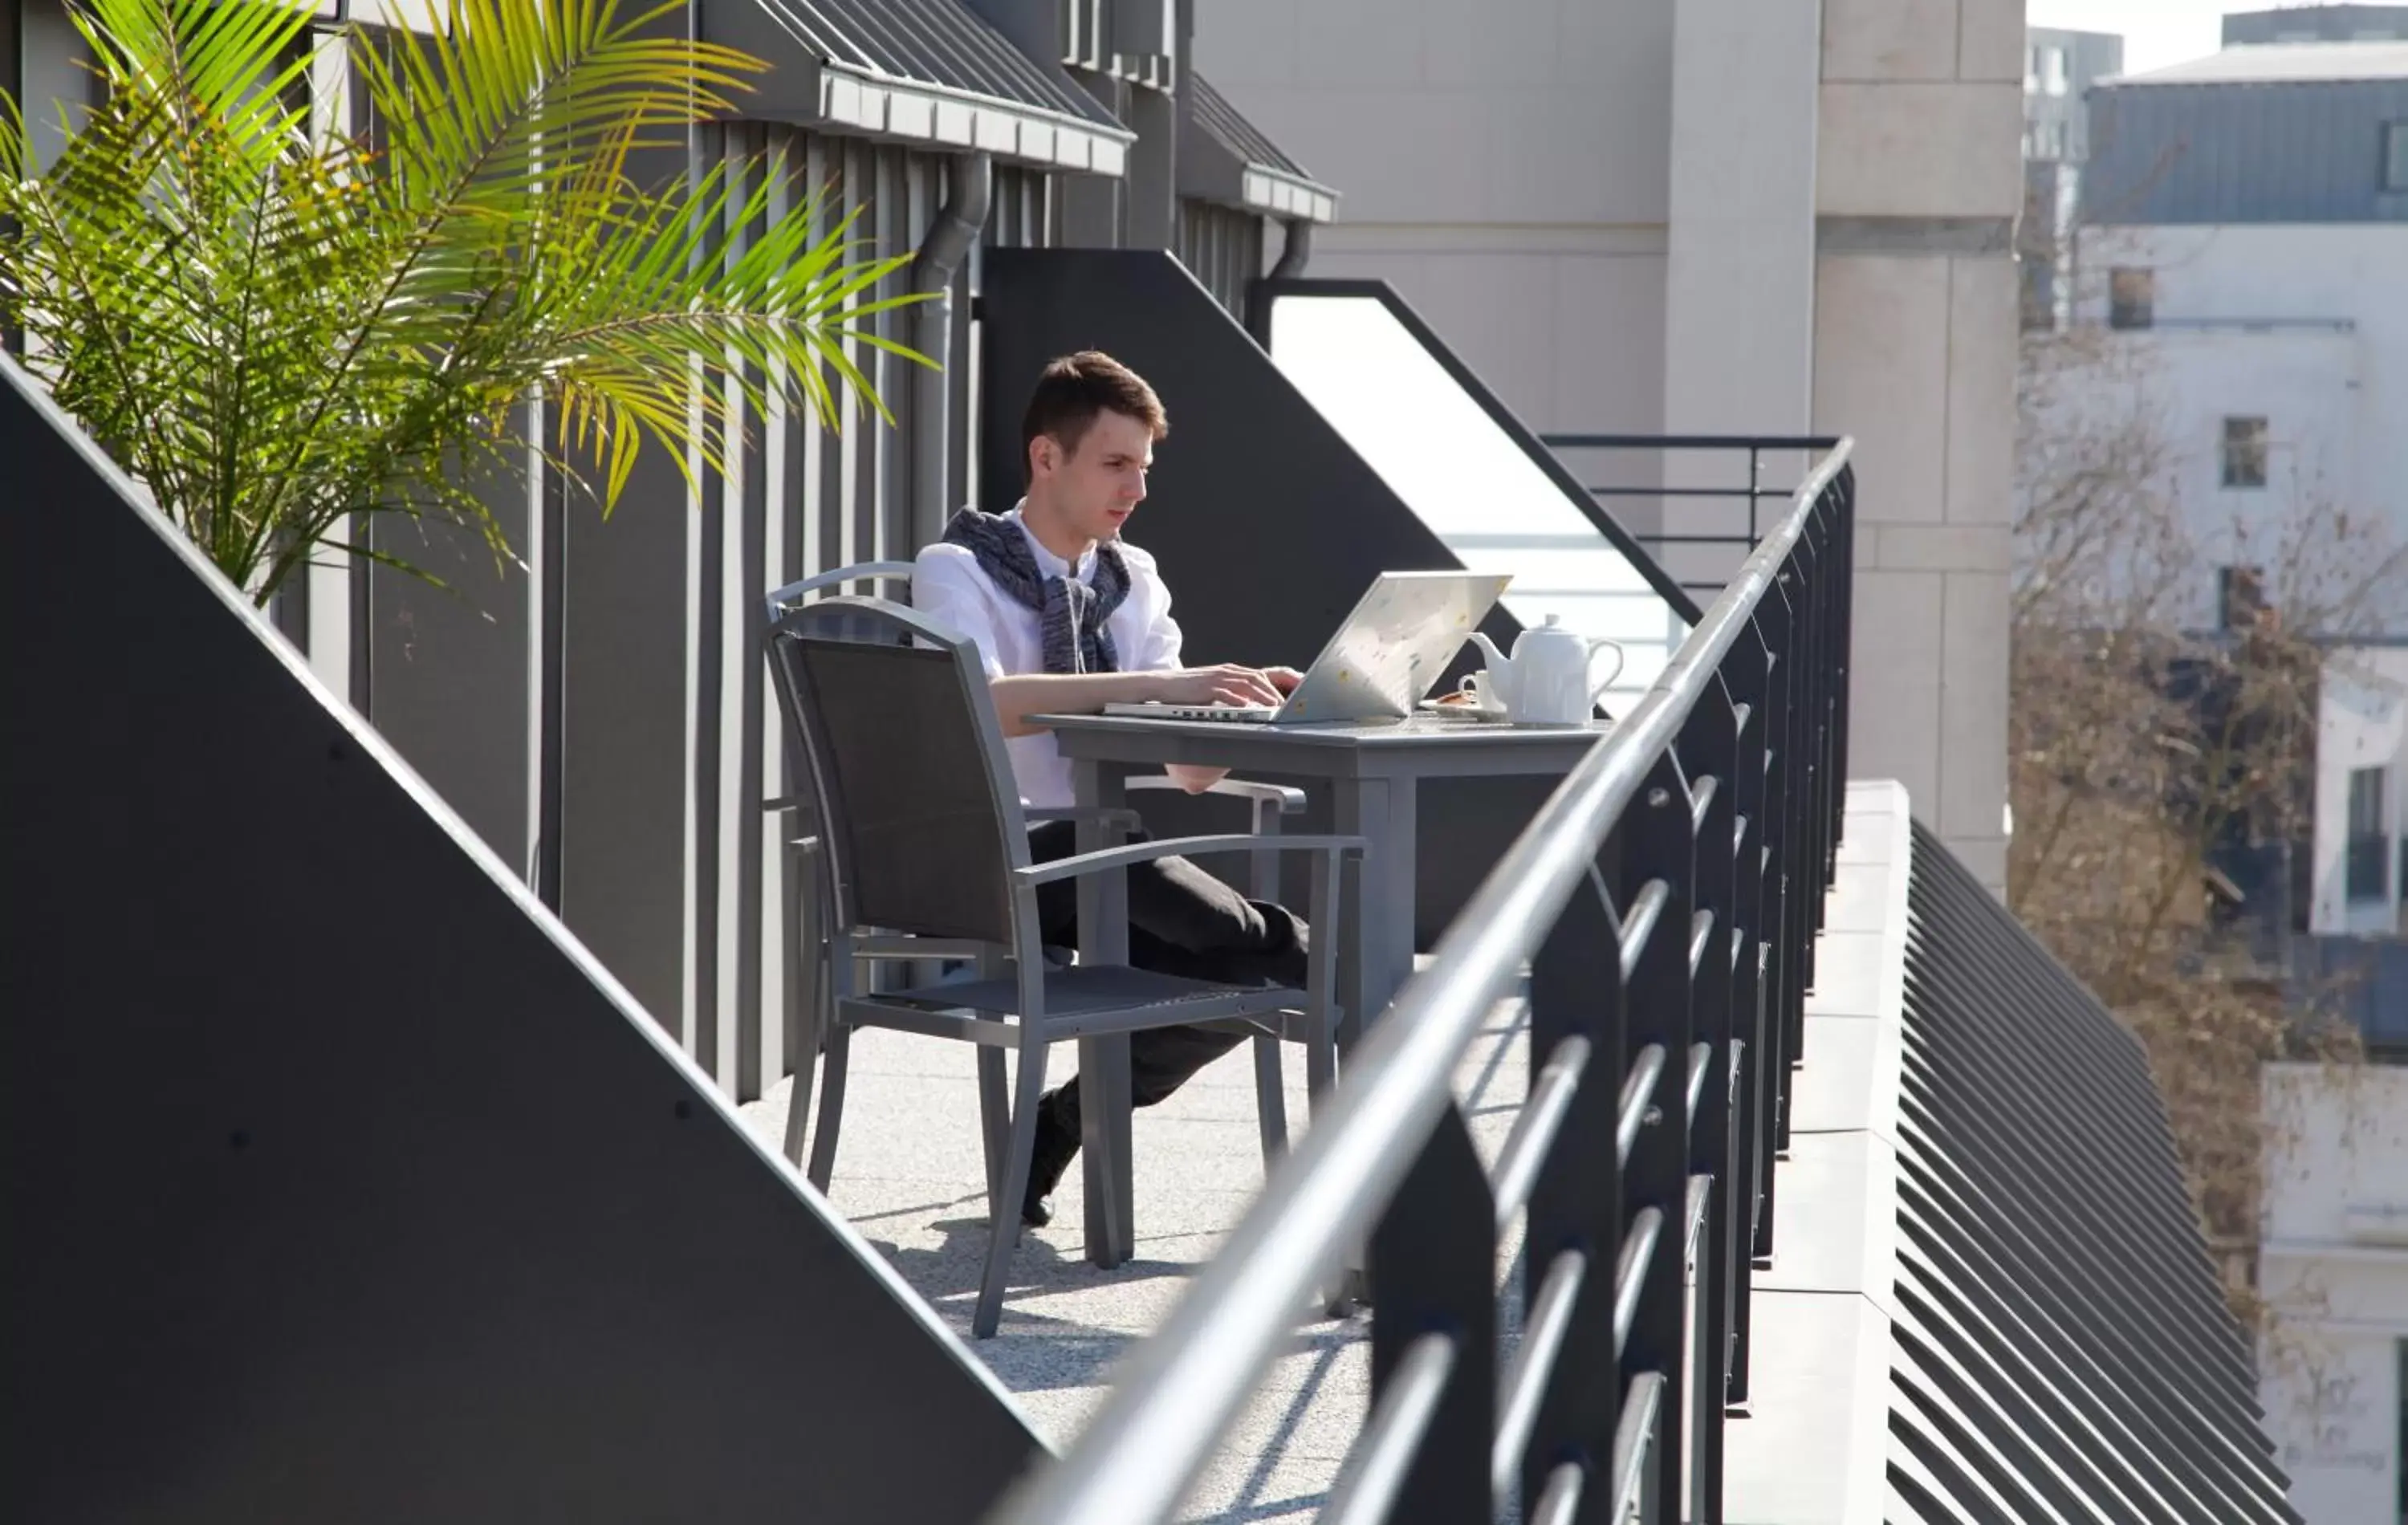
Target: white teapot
[{"x": 1546, "y": 681}]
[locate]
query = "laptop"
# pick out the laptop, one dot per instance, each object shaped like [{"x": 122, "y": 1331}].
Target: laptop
[{"x": 1390, "y": 652}]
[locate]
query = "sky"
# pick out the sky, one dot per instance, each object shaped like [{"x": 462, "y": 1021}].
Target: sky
[{"x": 2155, "y": 32}]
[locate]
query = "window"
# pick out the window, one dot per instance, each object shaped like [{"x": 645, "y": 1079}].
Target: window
[
  {"x": 2369, "y": 844},
  {"x": 2395, "y": 156},
  {"x": 2240, "y": 596},
  {"x": 2245, "y": 452},
  {"x": 2052, "y": 71},
  {"x": 2132, "y": 297}
]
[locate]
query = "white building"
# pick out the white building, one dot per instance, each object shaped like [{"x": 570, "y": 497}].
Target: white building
[
  {"x": 1694, "y": 216},
  {"x": 2334, "y": 1270},
  {"x": 2245, "y": 231}
]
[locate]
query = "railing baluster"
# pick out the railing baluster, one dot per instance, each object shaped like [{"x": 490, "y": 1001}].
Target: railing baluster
[
  {"x": 1432, "y": 1271},
  {"x": 1576, "y": 994},
  {"x": 1659, "y": 834},
  {"x": 1745, "y": 677},
  {"x": 1712, "y": 738}
]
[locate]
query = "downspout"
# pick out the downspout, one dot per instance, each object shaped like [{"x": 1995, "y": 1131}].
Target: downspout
[
  {"x": 951, "y": 235},
  {"x": 1295, "y": 251}
]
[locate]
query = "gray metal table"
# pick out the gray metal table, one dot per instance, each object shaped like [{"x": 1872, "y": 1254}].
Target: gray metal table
[{"x": 1373, "y": 772}]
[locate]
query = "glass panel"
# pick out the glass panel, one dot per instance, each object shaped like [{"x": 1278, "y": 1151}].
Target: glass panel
[
  {"x": 2245, "y": 452},
  {"x": 1490, "y": 502}
]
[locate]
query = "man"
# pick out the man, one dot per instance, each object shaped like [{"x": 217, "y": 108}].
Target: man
[{"x": 1067, "y": 617}]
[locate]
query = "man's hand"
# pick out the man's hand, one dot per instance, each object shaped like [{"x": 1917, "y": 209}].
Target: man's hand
[
  {"x": 1227, "y": 683},
  {"x": 1286, "y": 680}
]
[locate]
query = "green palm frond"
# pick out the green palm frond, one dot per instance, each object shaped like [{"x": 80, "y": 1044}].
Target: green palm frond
[{"x": 275, "y": 328}]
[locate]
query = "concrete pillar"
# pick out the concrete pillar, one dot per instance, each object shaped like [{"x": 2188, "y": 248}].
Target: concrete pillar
[{"x": 1918, "y": 181}]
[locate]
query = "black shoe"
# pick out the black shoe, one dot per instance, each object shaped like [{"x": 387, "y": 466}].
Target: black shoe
[{"x": 1057, "y": 1143}]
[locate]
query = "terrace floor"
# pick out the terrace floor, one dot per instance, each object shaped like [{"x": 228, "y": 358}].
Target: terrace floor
[{"x": 909, "y": 1175}]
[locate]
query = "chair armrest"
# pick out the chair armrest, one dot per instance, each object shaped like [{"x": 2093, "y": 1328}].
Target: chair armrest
[
  {"x": 1126, "y": 820},
  {"x": 1146, "y": 852},
  {"x": 1290, "y": 802}
]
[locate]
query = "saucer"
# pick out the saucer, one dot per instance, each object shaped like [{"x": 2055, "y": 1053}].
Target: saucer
[{"x": 1471, "y": 715}]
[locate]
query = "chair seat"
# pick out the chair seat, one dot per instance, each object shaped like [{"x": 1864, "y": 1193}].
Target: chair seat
[{"x": 1111, "y": 987}]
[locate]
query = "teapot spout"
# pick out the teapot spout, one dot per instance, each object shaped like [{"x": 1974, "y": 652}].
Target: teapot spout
[{"x": 1500, "y": 668}]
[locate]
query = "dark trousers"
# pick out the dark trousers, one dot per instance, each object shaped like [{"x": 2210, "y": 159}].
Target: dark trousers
[{"x": 1185, "y": 922}]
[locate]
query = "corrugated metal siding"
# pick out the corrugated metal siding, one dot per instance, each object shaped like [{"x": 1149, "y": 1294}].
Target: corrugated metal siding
[
  {"x": 806, "y": 500},
  {"x": 2242, "y": 152},
  {"x": 1222, "y": 248},
  {"x": 2063, "y": 1348}
]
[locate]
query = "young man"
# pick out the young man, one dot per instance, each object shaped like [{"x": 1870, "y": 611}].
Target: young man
[{"x": 1067, "y": 618}]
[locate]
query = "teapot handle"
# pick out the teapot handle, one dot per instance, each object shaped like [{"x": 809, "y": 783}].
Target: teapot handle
[{"x": 1621, "y": 661}]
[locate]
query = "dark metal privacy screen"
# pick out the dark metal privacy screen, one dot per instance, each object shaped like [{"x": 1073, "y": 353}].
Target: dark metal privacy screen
[
  {"x": 2061, "y": 1343},
  {"x": 1665, "y": 901}
]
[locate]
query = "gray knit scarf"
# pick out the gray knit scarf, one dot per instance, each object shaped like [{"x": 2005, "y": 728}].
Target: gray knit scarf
[{"x": 1070, "y": 612}]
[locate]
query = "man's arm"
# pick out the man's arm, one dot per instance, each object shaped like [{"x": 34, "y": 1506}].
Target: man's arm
[{"x": 1020, "y": 696}]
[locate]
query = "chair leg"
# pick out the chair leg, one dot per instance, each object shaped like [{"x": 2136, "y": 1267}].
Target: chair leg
[
  {"x": 1003, "y": 1230},
  {"x": 815, "y": 1004},
  {"x": 839, "y": 1048},
  {"x": 994, "y": 1118},
  {"x": 1271, "y": 1099}
]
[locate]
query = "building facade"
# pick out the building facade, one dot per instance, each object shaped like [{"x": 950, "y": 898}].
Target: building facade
[
  {"x": 2243, "y": 221},
  {"x": 1692, "y": 217},
  {"x": 2334, "y": 1272}
]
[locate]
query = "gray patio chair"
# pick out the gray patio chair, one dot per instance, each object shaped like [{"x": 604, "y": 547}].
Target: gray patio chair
[
  {"x": 924, "y": 836},
  {"x": 809, "y": 952}
]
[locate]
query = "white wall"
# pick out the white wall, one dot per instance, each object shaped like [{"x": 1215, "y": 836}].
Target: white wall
[
  {"x": 2334, "y": 1266},
  {"x": 1503, "y": 164},
  {"x": 2303, "y": 326},
  {"x": 1642, "y": 215},
  {"x": 2361, "y": 722}
]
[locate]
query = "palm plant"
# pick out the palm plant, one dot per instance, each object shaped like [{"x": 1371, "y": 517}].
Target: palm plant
[{"x": 276, "y": 327}]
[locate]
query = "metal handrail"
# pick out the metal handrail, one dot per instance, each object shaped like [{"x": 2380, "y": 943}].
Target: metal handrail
[{"x": 1185, "y": 1387}]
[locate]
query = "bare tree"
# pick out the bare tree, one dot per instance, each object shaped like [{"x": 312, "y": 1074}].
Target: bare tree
[{"x": 2163, "y": 709}]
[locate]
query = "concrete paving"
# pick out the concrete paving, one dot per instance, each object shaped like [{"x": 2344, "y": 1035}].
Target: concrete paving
[{"x": 909, "y": 1173}]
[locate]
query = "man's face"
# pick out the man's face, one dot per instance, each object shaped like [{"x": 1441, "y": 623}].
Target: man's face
[{"x": 1092, "y": 490}]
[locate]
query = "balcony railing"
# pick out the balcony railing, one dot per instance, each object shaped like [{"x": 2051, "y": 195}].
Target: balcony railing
[
  {"x": 1662, "y": 907},
  {"x": 1701, "y": 502}
]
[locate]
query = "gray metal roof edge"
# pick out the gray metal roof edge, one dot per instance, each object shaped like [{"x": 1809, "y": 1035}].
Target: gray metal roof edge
[
  {"x": 853, "y": 100},
  {"x": 1044, "y": 137},
  {"x": 1210, "y": 170},
  {"x": 1213, "y": 169}
]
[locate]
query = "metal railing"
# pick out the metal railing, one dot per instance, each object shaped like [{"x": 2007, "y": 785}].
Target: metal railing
[
  {"x": 1710, "y": 504},
  {"x": 1664, "y": 902}
]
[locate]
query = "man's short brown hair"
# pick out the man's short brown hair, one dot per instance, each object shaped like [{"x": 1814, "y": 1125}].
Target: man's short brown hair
[{"x": 1074, "y": 390}]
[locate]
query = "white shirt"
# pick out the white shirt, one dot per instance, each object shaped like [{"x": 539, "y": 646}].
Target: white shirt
[{"x": 950, "y": 586}]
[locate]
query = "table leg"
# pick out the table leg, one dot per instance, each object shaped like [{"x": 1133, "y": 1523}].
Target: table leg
[
  {"x": 1376, "y": 907},
  {"x": 1376, "y": 899},
  {"x": 1108, "y": 1165}
]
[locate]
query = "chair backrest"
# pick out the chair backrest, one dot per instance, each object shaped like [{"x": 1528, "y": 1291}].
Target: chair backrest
[
  {"x": 792, "y": 594},
  {"x": 919, "y": 814}
]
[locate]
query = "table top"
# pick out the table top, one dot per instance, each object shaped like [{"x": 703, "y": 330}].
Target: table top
[{"x": 1425, "y": 744}]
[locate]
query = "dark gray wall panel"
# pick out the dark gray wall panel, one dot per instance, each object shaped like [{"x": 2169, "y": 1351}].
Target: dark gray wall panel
[
  {"x": 340, "y": 1187},
  {"x": 448, "y": 665}
]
